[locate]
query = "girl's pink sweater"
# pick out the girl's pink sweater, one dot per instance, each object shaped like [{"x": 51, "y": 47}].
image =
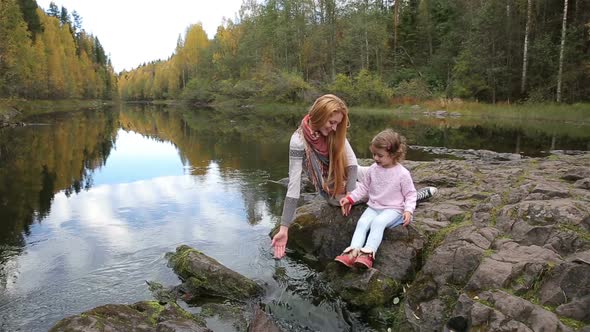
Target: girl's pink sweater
[{"x": 387, "y": 188}]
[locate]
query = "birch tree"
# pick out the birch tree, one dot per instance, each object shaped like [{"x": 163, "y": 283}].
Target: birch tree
[
  {"x": 563, "y": 27},
  {"x": 526, "y": 45}
]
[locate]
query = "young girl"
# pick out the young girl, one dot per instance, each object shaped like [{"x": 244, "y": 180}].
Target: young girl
[{"x": 392, "y": 199}]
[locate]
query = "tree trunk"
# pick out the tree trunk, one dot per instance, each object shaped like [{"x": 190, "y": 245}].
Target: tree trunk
[
  {"x": 559, "y": 74},
  {"x": 367, "y": 32},
  {"x": 526, "y": 46},
  {"x": 395, "y": 26}
]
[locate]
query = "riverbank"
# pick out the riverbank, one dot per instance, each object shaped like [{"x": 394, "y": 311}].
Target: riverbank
[{"x": 13, "y": 111}]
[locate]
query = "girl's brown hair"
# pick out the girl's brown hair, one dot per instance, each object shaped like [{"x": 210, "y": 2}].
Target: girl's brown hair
[
  {"x": 391, "y": 142},
  {"x": 319, "y": 113}
]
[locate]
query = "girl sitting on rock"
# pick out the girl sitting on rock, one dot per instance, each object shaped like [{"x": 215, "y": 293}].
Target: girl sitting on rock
[{"x": 391, "y": 199}]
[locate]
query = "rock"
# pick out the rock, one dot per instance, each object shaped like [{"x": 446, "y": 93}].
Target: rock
[
  {"x": 576, "y": 309},
  {"x": 501, "y": 235},
  {"x": 583, "y": 184},
  {"x": 321, "y": 231},
  {"x": 575, "y": 173},
  {"x": 533, "y": 316},
  {"x": 551, "y": 190},
  {"x": 204, "y": 276},
  {"x": 262, "y": 323},
  {"x": 363, "y": 289},
  {"x": 141, "y": 316},
  {"x": 566, "y": 282}
]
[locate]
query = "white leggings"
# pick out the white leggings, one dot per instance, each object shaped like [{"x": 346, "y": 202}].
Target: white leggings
[{"x": 374, "y": 222}]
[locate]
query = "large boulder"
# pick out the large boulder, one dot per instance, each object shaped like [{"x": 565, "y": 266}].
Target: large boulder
[
  {"x": 319, "y": 232},
  {"x": 204, "y": 276}
]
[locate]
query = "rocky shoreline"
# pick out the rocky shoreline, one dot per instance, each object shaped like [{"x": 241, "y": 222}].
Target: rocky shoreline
[{"x": 503, "y": 246}]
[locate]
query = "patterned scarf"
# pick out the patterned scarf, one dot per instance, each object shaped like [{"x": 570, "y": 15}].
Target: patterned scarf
[{"x": 317, "y": 158}]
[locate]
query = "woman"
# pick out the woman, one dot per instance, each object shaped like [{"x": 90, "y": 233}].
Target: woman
[{"x": 320, "y": 148}]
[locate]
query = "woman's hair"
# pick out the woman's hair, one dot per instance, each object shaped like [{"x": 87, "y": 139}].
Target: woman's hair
[
  {"x": 319, "y": 113},
  {"x": 391, "y": 142}
]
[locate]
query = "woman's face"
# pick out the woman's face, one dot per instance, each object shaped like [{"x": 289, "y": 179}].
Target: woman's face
[{"x": 332, "y": 123}]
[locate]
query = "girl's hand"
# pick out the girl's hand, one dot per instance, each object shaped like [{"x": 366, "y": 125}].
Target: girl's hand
[
  {"x": 345, "y": 206},
  {"x": 407, "y": 218}
]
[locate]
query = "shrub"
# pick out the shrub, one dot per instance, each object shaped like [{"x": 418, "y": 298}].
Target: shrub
[{"x": 197, "y": 91}]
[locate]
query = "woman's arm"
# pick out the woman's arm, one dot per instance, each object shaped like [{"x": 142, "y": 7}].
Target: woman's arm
[
  {"x": 296, "y": 153},
  {"x": 351, "y": 167}
]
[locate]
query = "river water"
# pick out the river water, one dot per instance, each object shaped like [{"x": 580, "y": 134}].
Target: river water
[{"x": 91, "y": 201}]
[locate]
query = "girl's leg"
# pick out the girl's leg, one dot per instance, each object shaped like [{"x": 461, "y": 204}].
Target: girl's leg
[
  {"x": 362, "y": 227},
  {"x": 385, "y": 219}
]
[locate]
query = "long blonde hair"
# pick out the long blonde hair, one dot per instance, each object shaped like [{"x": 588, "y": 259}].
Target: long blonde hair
[{"x": 319, "y": 113}]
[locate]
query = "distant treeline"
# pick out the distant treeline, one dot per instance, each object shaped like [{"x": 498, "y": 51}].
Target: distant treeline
[
  {"x": 378, "y": 51},
  {"x": 49, "y": 56}
]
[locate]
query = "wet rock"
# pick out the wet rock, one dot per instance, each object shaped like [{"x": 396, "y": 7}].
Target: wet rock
[
  {"x": 362, "y": 289},
  {"x": 141, "y": 316},
  {"x": 262, "y": 323},
  {"x": 204, "y": 276}
]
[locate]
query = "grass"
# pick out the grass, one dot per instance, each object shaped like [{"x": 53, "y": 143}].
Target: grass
[{"x": 541, "y": 111}]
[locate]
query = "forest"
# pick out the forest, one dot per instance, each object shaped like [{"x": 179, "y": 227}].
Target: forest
[
  {"x": 369, "y": 52},
  {"x": 48, "y": 55},
  {"x": 380, "y": 51}
]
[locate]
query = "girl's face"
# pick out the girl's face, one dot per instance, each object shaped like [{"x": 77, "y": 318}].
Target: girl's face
[
  {"x": 382, "y": 157},
  {"x": 332, "y": 123}
]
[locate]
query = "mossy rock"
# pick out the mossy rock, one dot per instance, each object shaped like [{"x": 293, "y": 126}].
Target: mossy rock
[
  {"x": 141, "y": 316},
  {"x": 204, "y": 276}
]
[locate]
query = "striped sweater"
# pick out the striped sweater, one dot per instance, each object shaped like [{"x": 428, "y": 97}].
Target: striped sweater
[{"x": 296, "y": 166}]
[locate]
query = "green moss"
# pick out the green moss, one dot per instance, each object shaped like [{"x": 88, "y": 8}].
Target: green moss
[
  {"x": 488, "y": 252},
  {"x": 437, "y": 238},
  {"x": 494, "y": 215},
  {"x": 155, "y": 310},
  {"x": 484, "y": 302},
  {"x": 572, "y": 323},
  {"x": 457, "y": 218},
  {"x": 583, "y": 234},
  {"x": 379, "y": 293}
]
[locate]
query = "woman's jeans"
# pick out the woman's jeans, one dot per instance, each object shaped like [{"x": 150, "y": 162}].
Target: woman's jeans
[{"x": 375, "y": 222}]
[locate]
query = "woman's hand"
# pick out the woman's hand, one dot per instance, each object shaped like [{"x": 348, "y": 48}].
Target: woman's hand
[
  {"x": 279, "y": 241},
  {"x": 407, "y": 218},
  {"x": 345, "y": 206}
]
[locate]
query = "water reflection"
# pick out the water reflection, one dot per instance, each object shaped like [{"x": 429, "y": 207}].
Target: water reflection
[{"x": 99, "y": 245}]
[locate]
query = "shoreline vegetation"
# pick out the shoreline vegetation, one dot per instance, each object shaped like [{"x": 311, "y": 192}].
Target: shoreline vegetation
[
  {"x": 550, "y": 119},
  {"x": 15, "y": 109}
]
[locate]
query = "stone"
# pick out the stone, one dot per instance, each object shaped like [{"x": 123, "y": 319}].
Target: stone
[
  {"x": 141, "y": 316},
  {"x": 204, "y": 276}
]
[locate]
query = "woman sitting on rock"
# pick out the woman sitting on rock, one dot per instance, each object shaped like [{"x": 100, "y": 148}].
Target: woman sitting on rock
[{"x": 320, "y": 148}]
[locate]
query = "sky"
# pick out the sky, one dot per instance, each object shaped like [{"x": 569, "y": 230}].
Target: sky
[{"x": 133, "y": 32}]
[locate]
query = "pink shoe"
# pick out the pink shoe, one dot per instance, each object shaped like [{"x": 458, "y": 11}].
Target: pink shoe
[
  {"x": 364, "y": 261},
  {"x": 345, "y": 259}
]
